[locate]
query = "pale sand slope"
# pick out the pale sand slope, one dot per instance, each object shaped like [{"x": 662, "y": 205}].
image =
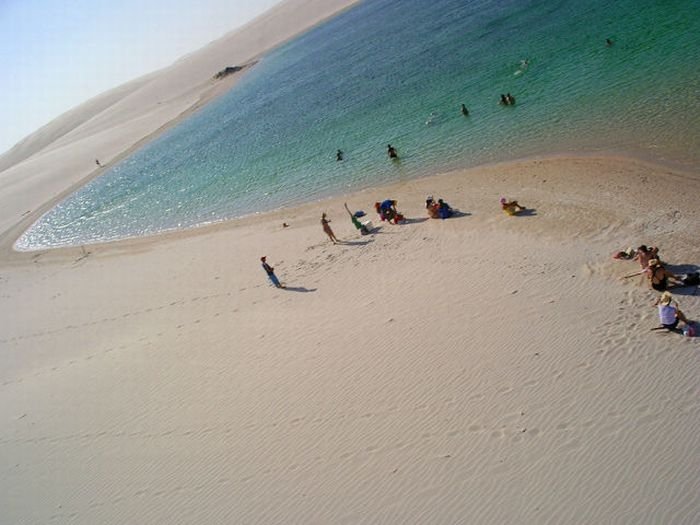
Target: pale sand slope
[
  {"x": 62, "y": 153},
  {"x": 483, "y": 369}
]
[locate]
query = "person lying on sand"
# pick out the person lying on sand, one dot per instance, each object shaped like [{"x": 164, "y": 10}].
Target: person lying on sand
[
  {"x": 511, "y": 207},
  {"x": 659, "y": 276}
]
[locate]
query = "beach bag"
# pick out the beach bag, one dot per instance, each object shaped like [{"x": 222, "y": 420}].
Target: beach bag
[
  {"x": 690, "y": 330},
  {"x": 692, "y": 279}
]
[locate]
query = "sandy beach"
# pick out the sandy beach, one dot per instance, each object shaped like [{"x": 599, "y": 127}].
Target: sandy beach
[{"x": 481, "y": 369}]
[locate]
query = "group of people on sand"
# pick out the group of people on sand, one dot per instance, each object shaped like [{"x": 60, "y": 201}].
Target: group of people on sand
[
  {"x": 438, "y": 209},
  {"x": 661, "y": 279},
  {"x": 387, "y": 211}
]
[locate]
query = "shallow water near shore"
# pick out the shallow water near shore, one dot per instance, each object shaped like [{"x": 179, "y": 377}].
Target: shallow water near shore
[{"x": 396, "y": 72}]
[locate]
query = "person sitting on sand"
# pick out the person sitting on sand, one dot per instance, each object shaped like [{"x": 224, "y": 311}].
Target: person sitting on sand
[
  {"x": 388, "y": 212},
  {"x": 388, "y": 209},
  {"x": 644, "y": 255},
  {"x": 327, "y": 228},
  {"x": 659, "y": 276},
  {"x": 391, "y": 151},
  {"x": 356, "y": 222},
  {"x": 444, "y": 209},
  {"x": 511, "y": 207},
  {"x": 669, "y": 312},
  {"x": 380, "y": 212},
  {"x": 432, "y": 207}
]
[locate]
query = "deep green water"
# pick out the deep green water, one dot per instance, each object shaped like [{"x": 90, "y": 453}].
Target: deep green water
[{"x": 374, "y": 75}]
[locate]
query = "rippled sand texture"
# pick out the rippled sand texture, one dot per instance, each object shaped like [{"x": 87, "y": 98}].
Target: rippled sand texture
[{"x": 482, "y": 369}]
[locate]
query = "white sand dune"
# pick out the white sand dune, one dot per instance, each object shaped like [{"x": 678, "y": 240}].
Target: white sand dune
[
  {"x": 61, "y": 155},
  {"x": 483, "y": 369}
]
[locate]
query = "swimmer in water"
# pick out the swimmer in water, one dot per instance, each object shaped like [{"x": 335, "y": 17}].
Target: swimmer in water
[{"x": 431, "y": 118}]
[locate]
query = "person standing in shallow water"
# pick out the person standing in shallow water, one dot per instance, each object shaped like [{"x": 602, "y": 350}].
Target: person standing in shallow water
[
  {"x": 270, "y": 271},
  {"x": 391, "y": 151},
  {"x": 339, "y": 155},
  {"x": 464, "y": 110}
]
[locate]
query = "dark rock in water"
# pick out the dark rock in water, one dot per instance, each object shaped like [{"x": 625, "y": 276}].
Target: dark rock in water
[{"x": 229, "y": 70}]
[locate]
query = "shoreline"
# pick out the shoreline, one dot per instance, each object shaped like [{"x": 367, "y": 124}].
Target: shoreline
[
  {"x": 8, "y": 238},
  {"x": 216, "y": 90},
  {"x": 206, "y": 88}
]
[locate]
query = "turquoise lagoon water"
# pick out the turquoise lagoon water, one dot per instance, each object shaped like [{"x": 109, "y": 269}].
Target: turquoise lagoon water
[{"x": 373, "y": 76}]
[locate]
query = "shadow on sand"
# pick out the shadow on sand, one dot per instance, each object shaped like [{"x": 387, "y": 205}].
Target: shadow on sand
[
  {"x": 298, "y": 289},
  {"x": 414, "y": 220},
  {"x": 681, "y": 270},
  {"x": 527, "y": 212},
  {"x": 356, "y": 243}
]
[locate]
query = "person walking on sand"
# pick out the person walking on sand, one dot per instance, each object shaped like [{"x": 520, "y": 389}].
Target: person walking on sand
[
  {"x": 270, "y": 272},
  {"x": 326, "y": 228}
]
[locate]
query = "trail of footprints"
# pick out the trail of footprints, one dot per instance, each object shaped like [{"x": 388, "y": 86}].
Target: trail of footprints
[
  {"x": 118, "y": 317},
  {"x": 143, "y": 341}
]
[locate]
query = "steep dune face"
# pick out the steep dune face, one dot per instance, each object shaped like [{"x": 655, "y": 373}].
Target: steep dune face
[
  {"x": 61, "y": 155},
  {"x": 180, "y": 83},
  {"x": 66, "y": 123}
]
